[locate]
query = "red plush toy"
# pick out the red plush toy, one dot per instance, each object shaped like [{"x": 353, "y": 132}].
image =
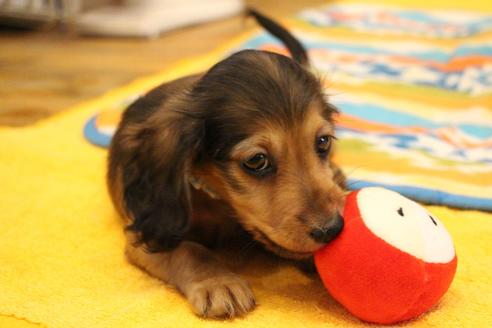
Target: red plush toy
[{"x": 392, "y": 261}]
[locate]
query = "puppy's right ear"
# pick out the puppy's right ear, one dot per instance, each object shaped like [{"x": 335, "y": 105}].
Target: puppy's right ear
[{"x": 151, "y": 159}]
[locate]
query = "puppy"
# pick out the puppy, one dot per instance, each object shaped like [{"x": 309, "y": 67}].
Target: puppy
[{"x": 246, "y": 146}]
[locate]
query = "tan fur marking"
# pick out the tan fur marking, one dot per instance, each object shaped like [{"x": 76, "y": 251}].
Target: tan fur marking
[{"x": 302, "y": 186}]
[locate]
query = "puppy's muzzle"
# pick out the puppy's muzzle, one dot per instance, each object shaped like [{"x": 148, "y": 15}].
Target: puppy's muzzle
[{"x": 325, "y": 234}]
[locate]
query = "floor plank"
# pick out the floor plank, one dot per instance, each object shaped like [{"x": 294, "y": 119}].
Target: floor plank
[{"x": 43, "y": 73}]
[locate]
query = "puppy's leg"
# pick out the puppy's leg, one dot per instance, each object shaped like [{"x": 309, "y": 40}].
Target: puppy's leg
[{"x": 212, "y": 290}]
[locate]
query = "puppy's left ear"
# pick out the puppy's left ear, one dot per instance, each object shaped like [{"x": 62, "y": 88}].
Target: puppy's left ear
[{"x": 156, "y": 195}]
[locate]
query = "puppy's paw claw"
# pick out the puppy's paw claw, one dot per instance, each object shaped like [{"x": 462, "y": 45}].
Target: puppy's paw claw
[{"x": 221, "y": 297}]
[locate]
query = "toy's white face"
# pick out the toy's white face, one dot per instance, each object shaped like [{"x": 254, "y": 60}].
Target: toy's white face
[{"x": 405, "y": 225}]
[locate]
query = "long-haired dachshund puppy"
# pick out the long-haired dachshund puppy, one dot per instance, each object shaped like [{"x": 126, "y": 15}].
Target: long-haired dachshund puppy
[{"x": 247, "y": 144}]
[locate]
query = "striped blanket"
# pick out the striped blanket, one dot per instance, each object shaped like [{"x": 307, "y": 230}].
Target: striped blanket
[{"x": 415, "y": 93}]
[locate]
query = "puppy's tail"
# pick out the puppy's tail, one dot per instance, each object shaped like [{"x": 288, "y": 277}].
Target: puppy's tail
[{"x": 295, "y": 47}]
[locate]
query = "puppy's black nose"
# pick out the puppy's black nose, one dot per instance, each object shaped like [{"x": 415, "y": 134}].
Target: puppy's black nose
[{"x": 329, "y": 232}]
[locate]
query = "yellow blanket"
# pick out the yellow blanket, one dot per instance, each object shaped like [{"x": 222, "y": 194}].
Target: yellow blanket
[{"x": 62, "y": 262}]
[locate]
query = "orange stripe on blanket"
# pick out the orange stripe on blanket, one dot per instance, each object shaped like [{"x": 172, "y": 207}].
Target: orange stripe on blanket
[
  {"x": 461, "y": 63},
  {"x": 448, "y": 135},
  {"x": 455, "y": 64},
  {"x": 355, "y": 123},
  {"x": 379, "y": 162},
  {"x": 454, "y": 137}
]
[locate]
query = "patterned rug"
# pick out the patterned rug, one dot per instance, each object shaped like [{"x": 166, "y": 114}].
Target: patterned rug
[{"x": 414, "y": 89}]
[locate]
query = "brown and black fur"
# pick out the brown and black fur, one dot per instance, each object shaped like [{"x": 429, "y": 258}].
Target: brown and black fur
[{"x": 208, "y": 127}]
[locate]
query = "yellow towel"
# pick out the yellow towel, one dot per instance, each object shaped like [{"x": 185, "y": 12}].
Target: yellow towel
[{"x": 62, "y": 262}]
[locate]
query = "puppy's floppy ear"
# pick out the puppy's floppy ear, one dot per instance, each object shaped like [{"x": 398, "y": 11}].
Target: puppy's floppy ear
[{"x": 154, "y": 172}]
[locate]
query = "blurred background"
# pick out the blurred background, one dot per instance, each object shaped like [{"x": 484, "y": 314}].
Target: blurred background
[{"x": 56, "y": 53}]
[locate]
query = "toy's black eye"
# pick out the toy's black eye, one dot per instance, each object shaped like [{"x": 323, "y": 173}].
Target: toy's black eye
[
  {"x": 257, "y": 163},
  {"x": 432, "y": 219},
  {"x": 400, "y": 211},
  {"x": 323, "y": 144}
]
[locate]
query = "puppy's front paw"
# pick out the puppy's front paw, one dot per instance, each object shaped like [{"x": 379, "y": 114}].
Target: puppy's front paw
[{"x": 224, "y": 296}]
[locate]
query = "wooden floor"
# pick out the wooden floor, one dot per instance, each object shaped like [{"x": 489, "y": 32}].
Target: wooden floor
[{"x": 42, "y": 73}]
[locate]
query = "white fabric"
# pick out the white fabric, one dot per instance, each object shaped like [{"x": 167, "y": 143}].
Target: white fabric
[
  {"x": 149, "y": 18},
  {"x": 411, "y": 231}
]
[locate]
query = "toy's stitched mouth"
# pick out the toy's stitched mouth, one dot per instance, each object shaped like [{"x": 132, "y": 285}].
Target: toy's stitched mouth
[{"x": 280, "y": 250}]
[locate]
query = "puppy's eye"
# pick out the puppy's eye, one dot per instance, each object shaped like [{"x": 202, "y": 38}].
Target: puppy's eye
[
  {"x": 323, "y": 144},
  {"x": 257, "y": 163}
]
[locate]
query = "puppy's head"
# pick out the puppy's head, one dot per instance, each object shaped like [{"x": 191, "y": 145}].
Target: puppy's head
[
  {"x": 256, "y": 131},
  {"x": 267, "y": 142}
]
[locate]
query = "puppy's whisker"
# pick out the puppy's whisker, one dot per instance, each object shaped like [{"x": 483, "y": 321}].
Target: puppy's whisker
[
  {"x": 358, "y": 167},
  {"x": 348, "y": 185},
  {"x": 333, "y": 94},
  {"x": 248, "y": 246},
  {"x": 353, "y": 182}
]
